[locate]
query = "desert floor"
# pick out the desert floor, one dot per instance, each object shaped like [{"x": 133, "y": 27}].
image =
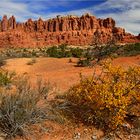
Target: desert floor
[
  {"x": 62, "y": 74},
  {"x": 59, "y": 71}
]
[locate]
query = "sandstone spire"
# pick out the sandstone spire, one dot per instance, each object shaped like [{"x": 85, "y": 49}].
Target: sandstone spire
[
  {"x": 4, "y": 23},
  {"x": 12, "y": 23}
]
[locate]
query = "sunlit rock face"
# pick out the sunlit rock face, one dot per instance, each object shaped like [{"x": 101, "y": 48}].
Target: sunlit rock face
[{"x": 71, "y": 30}]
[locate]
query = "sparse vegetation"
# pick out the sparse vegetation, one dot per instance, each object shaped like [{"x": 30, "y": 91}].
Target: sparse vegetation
[
  {"x": 96, "y": 52},
  {"x": 19, "y": 105},
  {"x": 131, "y": 49},
  {"x": 77, "y": 52},
  {"x": 2, "y": 62},
  {"x": 108, "y": 100},
  {"x": 32, "y": 61},
  {"x": 64, "y": 51},
  {"x": 84, "y": 63},
  {"x": 6, "y": 78}
]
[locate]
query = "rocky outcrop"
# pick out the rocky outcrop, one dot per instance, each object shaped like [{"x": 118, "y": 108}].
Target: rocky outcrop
[
  {"x": 70, "y": 30},
  {"x": 138, "y": 37},
  {"x": 4, "y": 23}
]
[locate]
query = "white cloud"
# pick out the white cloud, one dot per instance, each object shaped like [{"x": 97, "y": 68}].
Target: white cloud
[
  {"x": 19, "y": 10},
  {"x": 129, "y": 17}
]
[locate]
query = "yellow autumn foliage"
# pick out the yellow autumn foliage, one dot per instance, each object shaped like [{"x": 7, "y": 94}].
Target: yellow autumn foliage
[{"x": 108, "y": 97}]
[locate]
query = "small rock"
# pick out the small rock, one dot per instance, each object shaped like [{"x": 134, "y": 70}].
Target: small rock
[
  {"x": 77, "y": 136},
  {"x": 85, "y": 130},
  {"x": 105, "y": 138},
  {"x": 2, "y": 136},
  {"x": 131, "y": 137},
  {"x": 127, "y": 125},
  {"x": 94, "y": 137}
]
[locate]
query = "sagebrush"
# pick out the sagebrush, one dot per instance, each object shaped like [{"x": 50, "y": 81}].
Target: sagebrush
[{"x": 19, "y": 105}]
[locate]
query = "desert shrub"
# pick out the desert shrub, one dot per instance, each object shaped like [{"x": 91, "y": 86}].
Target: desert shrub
[
  {"x": 53, "y": 52},
  {"x": 76, "y": 52},
  {"x": 101, "y": 52},
  {"x": 2, "y": 62},
  {"x": 64, "y": 51},
  {"x": 22, "y": 52},
  {"x": 34, "y": 53},
  {"x": 84, "y": 63},
  {"x": 107, "y": 50},
  {"x": 20, "y": 108},
  {"x": 32, "y": 61},
  {"x": 108, "y": 98},
  {"x": 95, "y": 54},
  {"x": 97, "y": 51},
  {"x": 6, "y": 77},
  {"x": 70, "y": 60},
  {"x": 131, "y": 49}
]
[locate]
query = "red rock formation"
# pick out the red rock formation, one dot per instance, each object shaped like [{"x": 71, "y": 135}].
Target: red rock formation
[
  {"x": 70, "y": 30},
  {"x": 4, "y": 23},
  {"x": 138, "y": 37},
  {"x": 12, "y": 23}
]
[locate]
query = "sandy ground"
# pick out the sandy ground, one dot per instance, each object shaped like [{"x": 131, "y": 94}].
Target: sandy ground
[
  {"x": 59, "y": 71},
  {"x": 63, "y": 74}
]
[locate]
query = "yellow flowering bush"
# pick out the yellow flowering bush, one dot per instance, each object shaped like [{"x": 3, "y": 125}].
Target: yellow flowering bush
[{"x": 108, "y": 98}]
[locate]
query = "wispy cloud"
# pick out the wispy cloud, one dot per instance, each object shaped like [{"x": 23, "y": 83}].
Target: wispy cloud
[
  {"x": 20, "y": 10},
  {"x": 125, "y": 12}
]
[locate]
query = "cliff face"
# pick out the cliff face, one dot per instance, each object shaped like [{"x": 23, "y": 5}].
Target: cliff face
[{"x": 70, "y": 30}]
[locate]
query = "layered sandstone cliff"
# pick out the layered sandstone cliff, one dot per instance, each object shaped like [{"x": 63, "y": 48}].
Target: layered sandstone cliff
[{"x": 70, "y": 30}]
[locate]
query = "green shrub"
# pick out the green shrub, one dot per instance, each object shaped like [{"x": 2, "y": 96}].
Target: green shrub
[
  {"x": 101, "y": 52},
  {"x": 53, "y": 52},
  {"x": 33, "y": 53},
  {"x": 84, "y": 62},
  {"x": 2, "y": 62},
  {"x": 131, "y": 49},
  {"x": 94, "y": 52},
  {"x": 63, "y": 51},
  {"x": 76, "y": 52},
  {"x": 70, "y": 60},
  {"x": 6, "y": 77}
]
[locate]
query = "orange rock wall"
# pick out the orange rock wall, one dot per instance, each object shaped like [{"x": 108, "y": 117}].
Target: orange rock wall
[{"x": 70, "y": 30}]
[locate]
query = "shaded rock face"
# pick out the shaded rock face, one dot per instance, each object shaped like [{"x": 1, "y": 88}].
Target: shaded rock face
[
  {"x": 69, "y": 30},
  {"x": 138, "y": 36}
]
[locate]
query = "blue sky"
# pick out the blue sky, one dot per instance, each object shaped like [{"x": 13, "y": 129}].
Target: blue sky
[{"x": 125, "y": 12}]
